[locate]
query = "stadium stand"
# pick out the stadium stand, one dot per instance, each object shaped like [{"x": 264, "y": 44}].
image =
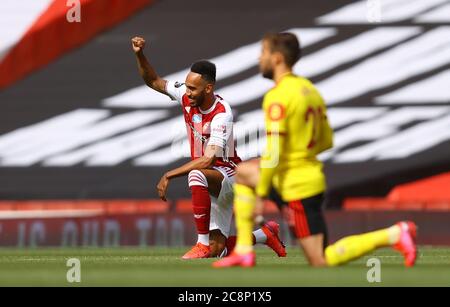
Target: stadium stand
[{"x": 83, "y": 142}]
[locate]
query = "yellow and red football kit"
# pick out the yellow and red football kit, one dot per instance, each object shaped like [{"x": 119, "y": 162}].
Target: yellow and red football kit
[{"x": 297, "y": 131}]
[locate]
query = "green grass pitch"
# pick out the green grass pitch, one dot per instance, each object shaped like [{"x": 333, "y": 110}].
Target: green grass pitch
[{"x": 163, "y": 267}]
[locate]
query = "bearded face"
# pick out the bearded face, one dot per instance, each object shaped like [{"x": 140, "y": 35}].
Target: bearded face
[
  {"x": 196, "y": 89},
  {"x": 265, "y": 61}
]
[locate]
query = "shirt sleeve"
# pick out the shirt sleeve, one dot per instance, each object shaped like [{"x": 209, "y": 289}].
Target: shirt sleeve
[
  {"x": 269, "y": 163},
  {"x": 325, "y": 134},
  {"x": 275, "y": 117},
  {"x": 221, "y": 129},
  {"x": 275, "y": 114},
  {"x": 176, "y": 90}
]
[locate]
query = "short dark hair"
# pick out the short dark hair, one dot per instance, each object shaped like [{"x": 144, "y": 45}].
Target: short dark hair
[
  {"x": 286, "y": 43},
  {"x": 206, "y": 69}
]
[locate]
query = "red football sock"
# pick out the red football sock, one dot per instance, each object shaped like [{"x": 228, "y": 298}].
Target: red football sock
[{"x": 201, "y": 202}]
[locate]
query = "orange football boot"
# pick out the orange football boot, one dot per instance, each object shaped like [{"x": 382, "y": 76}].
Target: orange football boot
[{"x": 198, "y": 251}]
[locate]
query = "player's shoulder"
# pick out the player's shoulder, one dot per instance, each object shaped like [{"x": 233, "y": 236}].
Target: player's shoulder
[
  {"x": 288, "y": 82},
  {"x": 296, "y": 87},
  {"x": 293, "y": 82},
  {"x": 289, "y": 90},
  {"x": 280, "y": 93},
  {"x": 274, "y": 93},
  {"x": 222, "y": 107}
]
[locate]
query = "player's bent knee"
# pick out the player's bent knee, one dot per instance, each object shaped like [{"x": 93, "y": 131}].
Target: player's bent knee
[
  {"x": 240, "y": 173},
  {"x": 244, "y": 174},
  {"x": 313, "y": 248},
  {"x": 197, "y": 178},
  {"x": 315, "y": 258}
]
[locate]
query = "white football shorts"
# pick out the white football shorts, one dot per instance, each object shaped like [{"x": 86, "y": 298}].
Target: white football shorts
[{"x": 222, "y": 207}]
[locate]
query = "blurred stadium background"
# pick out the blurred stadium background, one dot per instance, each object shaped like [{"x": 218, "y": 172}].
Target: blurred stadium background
[{"x": 83, "y": 142}]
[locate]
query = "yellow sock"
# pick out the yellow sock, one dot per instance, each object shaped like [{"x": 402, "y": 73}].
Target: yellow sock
[
  {"x": 244, "y": 203},
  {"x": 353, "y": 247}
]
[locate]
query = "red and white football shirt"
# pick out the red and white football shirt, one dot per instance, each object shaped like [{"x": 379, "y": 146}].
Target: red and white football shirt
[{"x": 210, "y": 127}]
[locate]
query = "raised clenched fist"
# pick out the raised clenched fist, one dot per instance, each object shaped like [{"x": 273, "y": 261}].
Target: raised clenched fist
[{"x": 137, "y": 43}]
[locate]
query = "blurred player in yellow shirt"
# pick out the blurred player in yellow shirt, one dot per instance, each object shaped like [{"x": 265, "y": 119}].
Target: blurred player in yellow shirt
[{"x": 297, "y": 131}]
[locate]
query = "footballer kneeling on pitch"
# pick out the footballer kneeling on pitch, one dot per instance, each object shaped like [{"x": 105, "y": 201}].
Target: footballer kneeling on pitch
[
  {"x": 297, "y": 131},
  {"x": 211, "y": 171}
]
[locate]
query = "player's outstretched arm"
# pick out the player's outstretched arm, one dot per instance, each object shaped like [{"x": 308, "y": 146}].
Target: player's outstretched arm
[{"x": 146, "y": 70}]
